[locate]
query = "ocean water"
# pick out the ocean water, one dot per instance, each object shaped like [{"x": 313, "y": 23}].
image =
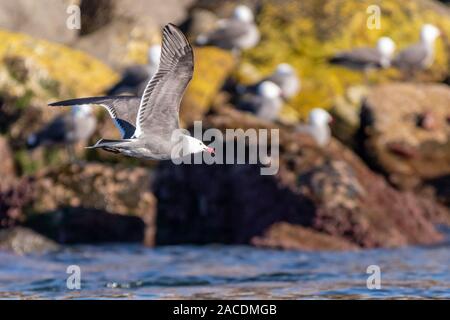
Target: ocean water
[{"x": 225, "y": 272}]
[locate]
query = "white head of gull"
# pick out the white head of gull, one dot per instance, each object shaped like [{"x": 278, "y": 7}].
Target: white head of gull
[
  {"x": 386, "y": 48},
  {"x": 429, "y": 33},
  {"x": 192, "y": 145},
  {"x": 268, "y": 89},
  {"x": 284, "y": 69},
  {"x": 319, "y": 117},
  {"x": 243, "y": 13},
  {"x": 318, "y": 126},
  {"x": 154, "y": 54}
]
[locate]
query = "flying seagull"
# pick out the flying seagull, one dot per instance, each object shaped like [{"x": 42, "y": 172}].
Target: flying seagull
[
  {"x": 135, "y": 78},
  {"x": 317, "y": 126},
  {"x": 420, "y": 55},
  {"x": 66, "y": 129},
  {"x": 284, "y": 77},
  {"x": 239, "y": 32},
  {"x": 366, "y": 58},
  {"x": 265, "y": 103},
  {"x": 148, "y": 124}
]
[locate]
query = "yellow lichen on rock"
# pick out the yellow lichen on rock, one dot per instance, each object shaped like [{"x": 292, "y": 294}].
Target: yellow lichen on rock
[
  {"x": 56, "y": 69},
  {"x": 305, "y": 33},
  {"x": 212, "y": 67}
]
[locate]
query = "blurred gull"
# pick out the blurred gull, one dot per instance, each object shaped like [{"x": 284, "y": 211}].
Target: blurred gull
[
  {"x": 67, "y": 129},
  {"x": 318, "y": 126},
  {"x": 420, "y": 55},
  {"x": 236, "y": 33},
  {"x": 367, "y": 58},
  {"x": 147, "y": 123},
  {"x": 284, "y": 76},
  {"x": 135, "y": 78},
  {"x": 265, "y": 102}
]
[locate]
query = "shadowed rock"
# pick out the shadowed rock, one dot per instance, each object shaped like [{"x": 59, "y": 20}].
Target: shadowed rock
[
  {"x": 330, "y": 191},
  {"x": 72, "y": 225}
]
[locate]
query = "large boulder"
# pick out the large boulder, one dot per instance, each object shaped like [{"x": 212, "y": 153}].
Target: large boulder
[
  {"x": 406, "y": 132},
  {"x": 329, "y": 191}
]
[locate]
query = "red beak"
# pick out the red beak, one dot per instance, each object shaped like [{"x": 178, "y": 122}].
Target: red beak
[{"x": 210, "y": 150}]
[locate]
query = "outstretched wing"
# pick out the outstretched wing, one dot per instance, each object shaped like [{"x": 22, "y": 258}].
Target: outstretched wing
[
  {"x": 122, "y": 109},
  {"x": 160, "y": 103}
]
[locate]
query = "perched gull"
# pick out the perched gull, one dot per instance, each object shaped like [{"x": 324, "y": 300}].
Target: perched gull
[
  {"x": 147, "y": 123},
  {"x": 266, "y": 102},
  {"x": 420, "y": 55},
  {"x": 66, "y": 129},
  {"x": 284, "y": 76},
  {"x": 236, "y": 33},
  {"x": 367, "y": 58},
  {"x": 318, "y": 126},
  {"x": 135, "y": 78}
]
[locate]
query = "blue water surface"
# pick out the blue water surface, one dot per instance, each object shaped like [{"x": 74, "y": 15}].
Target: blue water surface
[{"x": 225, "y": 272}]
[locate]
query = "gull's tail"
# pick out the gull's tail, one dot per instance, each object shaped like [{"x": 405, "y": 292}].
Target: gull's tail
[{"x": 107, "y": 144}]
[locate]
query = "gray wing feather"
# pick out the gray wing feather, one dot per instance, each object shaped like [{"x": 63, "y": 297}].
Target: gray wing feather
[
  {"x": 411, "y": 57},
  {"x": 359, "y": 56},
  {"x": 160, "y": 103},
  {"x": 122, "y": 109}
]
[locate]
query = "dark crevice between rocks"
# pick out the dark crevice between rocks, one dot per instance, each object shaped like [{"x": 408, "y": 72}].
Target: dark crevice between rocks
[
  {"x": 228, "y": 204},
  {"x": 441, "y": 185},
  {"x": 361, "y": 141},
  {"x": 78, "y": 225}
]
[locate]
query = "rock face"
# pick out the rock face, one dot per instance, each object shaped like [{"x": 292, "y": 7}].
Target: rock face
[
  {"x": 23, "y": 241},
  {"x": 43, "y": 19},
  {"x": 407, "y": 133},
  {"x": 7, "y": 167},
  {"x": 79, "y": 200},
  {"x": 13, "y": 197},
  {"x": 113, "y": 188},
  {"x": 119, "y": 32},
  {"x": 329, "y": 191}
]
